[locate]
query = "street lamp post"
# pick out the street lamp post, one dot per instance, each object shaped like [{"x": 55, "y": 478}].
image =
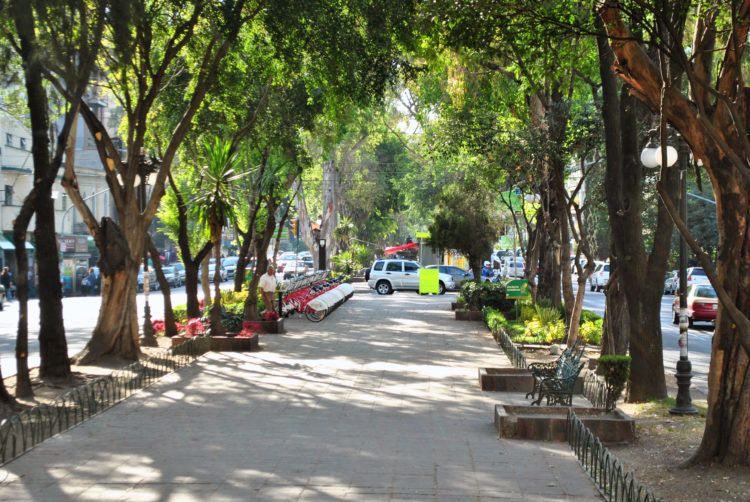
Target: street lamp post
[
  {"x": 651, "y": 157},
  {"x": 146, "y": 166}
]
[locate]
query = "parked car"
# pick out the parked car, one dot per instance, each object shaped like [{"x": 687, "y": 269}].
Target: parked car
[
  {"x": 286, "y": 260},
  {"x": 600, "y": 277},
  {"x": 387, "y": 276},
  {"x": 702, "y": 304},
  {"x": 458, "y": 274},
  {"x": 696, "y": 275},
  {"x": 230, "y": 265},
  {"x": 152, "y": 282},
  {"x": 172, "y": 277},
  {"x": 513, "y": 267},
  {"x": 179, "y": 269},
  {"x": 671, "y": 282}
]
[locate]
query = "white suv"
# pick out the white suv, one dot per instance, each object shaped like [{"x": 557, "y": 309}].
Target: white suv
[
  {"x": 600, "y": 277},
  {"x": 387, "y": 276}
]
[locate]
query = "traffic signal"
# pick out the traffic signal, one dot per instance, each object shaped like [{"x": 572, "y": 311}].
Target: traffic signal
[{"x": 294, "y": 222}]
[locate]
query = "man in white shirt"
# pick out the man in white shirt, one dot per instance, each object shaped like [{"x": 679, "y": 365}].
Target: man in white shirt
[{"x": 267, "y": 285}]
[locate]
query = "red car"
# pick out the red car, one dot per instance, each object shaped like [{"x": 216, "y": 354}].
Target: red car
[{"x": 702, "y": 304}]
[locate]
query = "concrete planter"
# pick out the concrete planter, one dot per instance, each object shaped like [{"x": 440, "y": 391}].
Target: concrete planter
[
  {"x": 506, "y": 380},
  {"x": 469, "y": 315},
  {"x": 225, "y": 343},
  {"x": 549, "y": 423},
  {"x": 234, "y": 343},
  {"x": 272, "y": 327}
]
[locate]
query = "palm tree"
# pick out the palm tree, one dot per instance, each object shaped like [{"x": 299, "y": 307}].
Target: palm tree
[{"x": 214, "y": 206}]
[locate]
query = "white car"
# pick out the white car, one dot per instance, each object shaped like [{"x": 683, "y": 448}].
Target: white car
[
  {"x": 513, "y": 267},
  {"x": 600, "y": 277},
  {"x": 387, "y": 276},
  {"x": 230, "y": 265},
  {"x": 286, "y": 261}
]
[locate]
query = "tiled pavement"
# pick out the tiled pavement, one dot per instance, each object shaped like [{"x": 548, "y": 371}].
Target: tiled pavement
[{"x": 378, "y": 402}]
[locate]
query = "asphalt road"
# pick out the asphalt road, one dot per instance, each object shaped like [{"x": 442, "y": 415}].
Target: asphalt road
[
  {"x": 699, "y": 339},
  {"x": 81, "y": 314}
]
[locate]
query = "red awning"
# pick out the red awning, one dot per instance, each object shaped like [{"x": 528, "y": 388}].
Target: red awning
[{"x": 396, "y": 249}]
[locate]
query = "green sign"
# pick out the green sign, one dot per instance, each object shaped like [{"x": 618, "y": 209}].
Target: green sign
[
  {"x": 423, "y": 235},
  {"x": 512, "y": 199},
  {"x": 517, "y": 288},
  {"x": 429, "y": 282}
]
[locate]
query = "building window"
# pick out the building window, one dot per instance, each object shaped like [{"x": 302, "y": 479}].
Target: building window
[
  {"x": 64, "y": 201},
  {"x": 22, "y": 142},
  {"x": 9, "y": 139},
  {"x": 8, "y": 195}
]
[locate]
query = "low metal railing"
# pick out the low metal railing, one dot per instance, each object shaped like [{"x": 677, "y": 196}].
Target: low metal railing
[
  {"x": 594, "y": 389},
  {"x": 27, "y": 429},
  {"x": 511, "y": 350},
  {"x": 613, "y": 481}
]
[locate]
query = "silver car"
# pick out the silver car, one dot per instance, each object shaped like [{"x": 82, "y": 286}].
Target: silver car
[
  {"x": 387, "y": 276},
  {"x": 458, "y": 274}
]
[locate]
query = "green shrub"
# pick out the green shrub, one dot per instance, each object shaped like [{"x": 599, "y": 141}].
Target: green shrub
[
  {"x": 615, "y": 370},
  {"x": 476, "y": 296},
  {"x": 494, "y": 319},
  {"x": 554, "y": 332},
  {"x": 180, "y": 313},
  {"x": 527, "y": 313},
  {"x": 591, "y": 332},
  {"x": 547, "y": 315},
  {"x": 587, "y": 316}
]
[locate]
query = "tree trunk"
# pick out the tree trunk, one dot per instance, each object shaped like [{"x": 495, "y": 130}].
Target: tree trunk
[
  {"x": 641, "y": 275},
  {"x": 215, "y": 315},
  {"x": 170, "y": 329},
  {"x": 53, "y": 347},
  {"x": 727, "y": 432},
  {"x": 23, "y": 380},
  {"x": 242, "y": 261},
  {"x": 616, "y": 326},
  {"x": 205, "y": 282},
  {"x": 116, "y": 330},
  {"x": 191, "y": 288},
  {"x": 261, "y": 251}
]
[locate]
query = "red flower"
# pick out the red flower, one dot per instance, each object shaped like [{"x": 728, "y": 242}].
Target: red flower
[
  {"x": 270, "y": 315},
  {"x": 194, "y": 327}
]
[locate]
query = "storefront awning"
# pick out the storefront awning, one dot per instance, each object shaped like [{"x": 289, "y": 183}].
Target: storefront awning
[
  {"x": 403, "y": 247},
  {"x": 6, "y": 245}
]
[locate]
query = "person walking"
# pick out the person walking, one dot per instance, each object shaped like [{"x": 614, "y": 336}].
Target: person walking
[
  {"x": 267, "y": 285},
  {"x": 6, "y": 279}
]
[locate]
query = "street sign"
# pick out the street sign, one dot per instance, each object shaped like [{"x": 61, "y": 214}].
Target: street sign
[
  {"x": 517, "y": 288},
  {"x": 423, "y": 235}
]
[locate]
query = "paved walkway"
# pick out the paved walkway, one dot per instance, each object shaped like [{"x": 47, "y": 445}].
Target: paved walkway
[{"x": 378, "y": 402}]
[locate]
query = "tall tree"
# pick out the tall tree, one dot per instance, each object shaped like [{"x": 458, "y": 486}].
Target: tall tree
[
  {"x": 214, "y": 205},
  {"x": 66, "y": 35},
  {"x": 711, "y": 117},
  {"x": 144, "y": 52}
]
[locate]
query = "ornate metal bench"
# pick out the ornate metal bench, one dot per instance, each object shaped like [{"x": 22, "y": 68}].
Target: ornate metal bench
[
  {"x": 558, "y": 389},
  {"x": 540, "y": 371}
]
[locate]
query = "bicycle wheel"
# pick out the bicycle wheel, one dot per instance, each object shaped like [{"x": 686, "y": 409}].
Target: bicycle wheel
[{"x": 314, "y": 315}]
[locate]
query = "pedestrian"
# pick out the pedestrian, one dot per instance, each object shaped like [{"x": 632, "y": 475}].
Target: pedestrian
[
  {"x": 267, "y": 285},
  {"x": 6, "y": 279},
  {"x": 487, "y": 272},
  {"x": 87, "y": 284}
]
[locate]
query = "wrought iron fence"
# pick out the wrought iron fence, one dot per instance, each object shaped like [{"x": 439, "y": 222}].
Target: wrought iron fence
[
  {"x": 594, "y": 389},
  {"x": 613, "y": 481},
  {"x": 511, "y": 350},
  {"x": 27, "y": 429}
]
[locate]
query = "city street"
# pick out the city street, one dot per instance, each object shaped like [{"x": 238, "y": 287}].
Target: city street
[
  {"x": 80, "y": 318},
  {"x": 80, "y": 314},
  {"x": 699, "y": 339}
]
